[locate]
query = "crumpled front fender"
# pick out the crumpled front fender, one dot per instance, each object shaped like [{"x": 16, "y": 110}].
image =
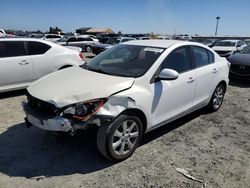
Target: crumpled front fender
[{"x": 116, "y": 105}]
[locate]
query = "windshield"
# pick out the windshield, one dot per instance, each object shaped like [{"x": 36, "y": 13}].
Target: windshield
[
  {"x": 225, "y": 43},
  {"x": 245, "y": 50},
  {"x": 113, "y": 41},
  {"x": 125, "y": 60}
]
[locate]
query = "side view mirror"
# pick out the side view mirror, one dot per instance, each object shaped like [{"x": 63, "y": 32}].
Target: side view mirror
[{"x": 168, "y": 74}]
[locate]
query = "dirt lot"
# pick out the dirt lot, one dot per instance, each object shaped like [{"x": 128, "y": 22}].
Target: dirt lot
[{"x": 214, "y": 148}]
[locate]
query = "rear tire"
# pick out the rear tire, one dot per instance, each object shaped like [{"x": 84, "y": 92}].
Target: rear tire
[
  {"x": 217, "y": 98},
  {"x": 119, "y": 140},
  {"x": 88, "y": 48}
]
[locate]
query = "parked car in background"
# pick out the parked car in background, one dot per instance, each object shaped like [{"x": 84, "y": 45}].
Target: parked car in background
[
  {"x": 129, "y": 90},
  {"x": 225, "y": 48},
  {"x": 23, "y": 60},
  {"x": 2, "y": 33},
  {"x": 209, "y": 42},
  {"x": 52, "y": 37},
  {"x": 97, "y": 49},
  {"x": 143, "y": 38},
  {"x": 37, "y": 36},
  {"x": 84, "y": 42},
  {"x": 164, "y": 38},
  {"x": 247, "y": 41},
  {"x": 183, "y": 37},
  {"x": 240, "y": 64}
]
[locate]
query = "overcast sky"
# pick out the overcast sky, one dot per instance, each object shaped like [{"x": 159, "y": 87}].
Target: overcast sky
[{"x": 129, "y": 16}]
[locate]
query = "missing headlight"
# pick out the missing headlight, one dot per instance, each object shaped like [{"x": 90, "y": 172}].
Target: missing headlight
[{"x": 84, "y": 110}]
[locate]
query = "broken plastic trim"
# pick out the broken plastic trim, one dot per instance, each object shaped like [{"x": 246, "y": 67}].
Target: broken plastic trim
[{"x": 96, "y": 104}]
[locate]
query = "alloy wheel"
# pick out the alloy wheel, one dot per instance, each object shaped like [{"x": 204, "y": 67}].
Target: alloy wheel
[
  {"x": 125, "y": 137},
  {"x": 218, "y": 97}
]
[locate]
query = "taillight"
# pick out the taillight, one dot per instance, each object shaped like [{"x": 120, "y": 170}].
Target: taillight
[{"x": 81, "y": 56}]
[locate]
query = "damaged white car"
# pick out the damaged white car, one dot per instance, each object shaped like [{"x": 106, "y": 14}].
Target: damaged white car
[{"x": 127, "y": 91}]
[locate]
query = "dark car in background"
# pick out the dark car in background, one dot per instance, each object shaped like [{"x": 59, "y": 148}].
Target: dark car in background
[
  {"x": 84, "y": 42},
  {"x": 97, "y": 49},
  {"x": 240, "y": 64},
  {"x": 209, "y": 42}
]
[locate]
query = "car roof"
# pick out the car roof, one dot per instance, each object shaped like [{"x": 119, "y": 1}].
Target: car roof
[
  {"x": 157, "y": 43},
  {"x": 28, "y": 39},
  {"x": 229, "y": 40}
]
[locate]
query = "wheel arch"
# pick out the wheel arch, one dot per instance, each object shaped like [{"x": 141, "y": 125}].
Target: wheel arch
[
  {"x": 138, "y": 113},
  {"x": 65, "y": 66},
  {"x": 224, "y": 83}
]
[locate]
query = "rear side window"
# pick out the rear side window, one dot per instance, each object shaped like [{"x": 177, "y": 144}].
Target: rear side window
[
  {"x": 36, "y": 48},
  {"x": 201, "y": 56},
  {"x": 73, "y": 39},
  {"x": 211, "y": 56},
  {"x": 178, "y": 60},
  {"x": 12, "y": 49}
]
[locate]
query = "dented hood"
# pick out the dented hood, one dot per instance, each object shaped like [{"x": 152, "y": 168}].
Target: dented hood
[{"x": 75, "y": 84}]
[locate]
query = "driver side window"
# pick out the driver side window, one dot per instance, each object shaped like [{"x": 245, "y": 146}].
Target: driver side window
[{"x": 178, "y": 60}]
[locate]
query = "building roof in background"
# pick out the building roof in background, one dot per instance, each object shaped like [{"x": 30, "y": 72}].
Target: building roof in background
[{"x": 100, "y": 30}]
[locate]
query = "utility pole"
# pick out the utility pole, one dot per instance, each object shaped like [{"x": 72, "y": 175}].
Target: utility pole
[{"x": 217, "y": 23}]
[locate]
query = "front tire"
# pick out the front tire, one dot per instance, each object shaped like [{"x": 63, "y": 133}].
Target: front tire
[
  {"x": 217, "y": 98},
  {"x": 119, "y": 140}
]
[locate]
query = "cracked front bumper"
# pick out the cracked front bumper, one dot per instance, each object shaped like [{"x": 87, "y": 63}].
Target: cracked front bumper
[
  {"x": 46, "y": 122},
  {"x": 58, "y": 123}
]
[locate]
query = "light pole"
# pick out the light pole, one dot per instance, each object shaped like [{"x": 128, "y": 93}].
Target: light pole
[{"x": 217, "y": 23}]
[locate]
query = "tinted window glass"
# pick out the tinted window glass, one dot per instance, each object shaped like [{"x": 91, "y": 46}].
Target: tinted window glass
[
  {"x": 49, "y": 36},
  {"x": 200, "y": 56},
  {"x": 12, "y": 48},
  {"x": 85, "y": 39},
  {"x": 72, "y": 39},
  {"x": 36, "y": 48},
  {"x": 55, "y": 36},
  {"x": 211, "y": 56},
  {"x": 178, "y": 60}
]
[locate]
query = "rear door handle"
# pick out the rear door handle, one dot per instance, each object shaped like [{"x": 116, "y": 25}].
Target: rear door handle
[
  {"x": 24, "y": 62},
  {"x": 190, "y": 80},
  {"x": 214, "y": 70}
]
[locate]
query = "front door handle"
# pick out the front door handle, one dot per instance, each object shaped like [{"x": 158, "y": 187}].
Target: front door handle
[
  {"x": 190, "y": 80},
  {"x": 214, "y": 70}
]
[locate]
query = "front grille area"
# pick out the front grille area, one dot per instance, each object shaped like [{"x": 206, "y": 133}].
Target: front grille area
[
  {"x": 41, "y": 106},
  {"x": 240, "y": 69}
]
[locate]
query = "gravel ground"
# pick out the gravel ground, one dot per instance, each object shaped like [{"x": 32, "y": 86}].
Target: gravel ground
[{"x": 214, "y": 148}]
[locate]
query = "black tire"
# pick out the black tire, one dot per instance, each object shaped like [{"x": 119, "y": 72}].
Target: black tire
[
  {"x": 88, "y": 48},
  {"x": 106, "y": 137},
  {"x": 215, "y": 105}
]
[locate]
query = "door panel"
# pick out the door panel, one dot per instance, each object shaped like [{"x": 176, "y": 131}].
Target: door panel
[
  {"x": 15, "y": 70},
  {"x": 206, "y": 71},
  {"x": 15, "y": 65},
  {"x": 173, "y": 97}
]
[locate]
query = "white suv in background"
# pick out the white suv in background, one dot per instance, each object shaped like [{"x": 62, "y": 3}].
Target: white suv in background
[
  {"x": 128, "y": 90},
  {"x": 52, "y": 37},
  {"x": 23, "y": 60}
]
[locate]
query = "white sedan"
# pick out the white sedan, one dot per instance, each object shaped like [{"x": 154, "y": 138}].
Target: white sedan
[
  {"x": 23, "y": 60},
  {"x": 129, "y": 90}
]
